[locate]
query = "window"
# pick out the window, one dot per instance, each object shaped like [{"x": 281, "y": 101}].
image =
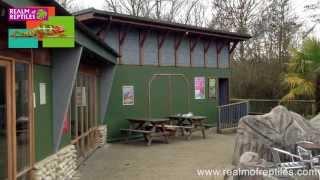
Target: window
[{"x": 212, "y": 93}]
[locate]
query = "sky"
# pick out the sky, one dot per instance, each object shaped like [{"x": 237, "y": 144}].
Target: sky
[{"x": 297, "y": 5}]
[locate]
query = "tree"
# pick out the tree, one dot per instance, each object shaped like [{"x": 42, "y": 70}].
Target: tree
[
  {"x": 303, "y": 76},
  {"x": 70, "y": 5},
  {"x": 313, "y": 9},
  {"x": 186, "y": 12},
  {"x": 234, "y": 15}
]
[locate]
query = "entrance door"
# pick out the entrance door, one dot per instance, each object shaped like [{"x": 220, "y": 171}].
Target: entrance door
[
  {"x": 15, "y": 121},
  {"x": 223, "y": 87},
  {"x": 5, "y": 123}
]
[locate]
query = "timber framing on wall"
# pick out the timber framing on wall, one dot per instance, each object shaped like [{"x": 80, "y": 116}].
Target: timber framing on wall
[
  {"x": 177, "y": 42},
  {"x": 192, "y": 44},
  {"x": 219, "y": 46},
  {"x": 142, "y": 39},
  {"x": 161, "y": 37},
  {"x": 103, "y": 31},
  {"x": 122, "y": 35},
  {"x": 179, "y": 31},
  {"x": 206, "y": 46}
]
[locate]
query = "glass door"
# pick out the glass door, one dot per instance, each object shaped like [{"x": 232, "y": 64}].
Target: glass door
[
  {"x": 15, "y": 120},
  {"x": 5, "y": 123},
  {"x": 22, "y": 121}
]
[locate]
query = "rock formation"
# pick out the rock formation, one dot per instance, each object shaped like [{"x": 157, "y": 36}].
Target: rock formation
[{"x": 280, "y": 128}]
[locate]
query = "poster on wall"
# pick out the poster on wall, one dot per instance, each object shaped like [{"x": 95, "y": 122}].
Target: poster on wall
[
  {"x": 127, "y": 95},
  {"x": 212, "y": 88},
  {"x": 199, "y": 88}
]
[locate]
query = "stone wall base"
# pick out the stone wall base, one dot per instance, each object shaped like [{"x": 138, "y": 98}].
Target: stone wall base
[
  {"x": 101, "y": 137},
  {"x": 60, "y": 166}
]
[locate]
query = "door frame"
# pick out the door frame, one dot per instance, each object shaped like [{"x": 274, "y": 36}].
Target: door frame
[
  {"x": 9, "y": 63},
  {"x": 9, "y": 119},
  {"x": 154, "y": 77},
  {"x": 219, "y": 89}
]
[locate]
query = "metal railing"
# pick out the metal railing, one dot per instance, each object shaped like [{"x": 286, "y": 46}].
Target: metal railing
[
  {"x": 306, "y": 108},
  {"x": 230, "y": 114}
]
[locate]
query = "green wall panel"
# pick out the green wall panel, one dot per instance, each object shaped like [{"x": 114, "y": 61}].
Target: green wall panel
[
  {"x": 43, "y": 113},
  {"x": 180, "y": 93},
  {"x": 162, "y": 89},
  {"x": 159, "y": 98}
]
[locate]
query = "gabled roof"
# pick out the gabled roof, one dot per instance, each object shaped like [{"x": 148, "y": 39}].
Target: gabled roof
[{"x": 92, "y": 15}]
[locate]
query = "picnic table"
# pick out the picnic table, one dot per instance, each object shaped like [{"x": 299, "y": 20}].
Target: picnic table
[
  {"x": 189, "y": 124},
  {"x": 149, "y": 127}
]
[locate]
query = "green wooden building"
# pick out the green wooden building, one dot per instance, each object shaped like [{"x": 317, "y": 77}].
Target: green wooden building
[{"x": 162, "y": 62}]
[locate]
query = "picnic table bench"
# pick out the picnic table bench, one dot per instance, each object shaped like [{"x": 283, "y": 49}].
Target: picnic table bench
[
  {"x": 189, "y": 124},
  {"x": 149, "y": 127}
]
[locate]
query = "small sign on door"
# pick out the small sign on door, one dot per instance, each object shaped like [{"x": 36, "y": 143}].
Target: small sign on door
[{"x": 42, "y": 89}]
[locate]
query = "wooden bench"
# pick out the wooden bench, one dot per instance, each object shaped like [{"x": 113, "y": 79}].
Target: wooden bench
[
  {"x": 148, "y": 135},
  {"x": 136, "y": 131},
  {"x": 183, "y": 129}
]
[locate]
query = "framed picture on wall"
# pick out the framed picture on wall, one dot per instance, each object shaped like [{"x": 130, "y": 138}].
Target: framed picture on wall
[
  {"x": 212, "y": 92},
  {"x": 127, "y": 95},
  {"x": 199, "y": 88}
]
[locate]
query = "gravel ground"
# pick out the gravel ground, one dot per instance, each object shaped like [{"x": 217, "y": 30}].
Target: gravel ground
[{"x": 178, "y": 160}]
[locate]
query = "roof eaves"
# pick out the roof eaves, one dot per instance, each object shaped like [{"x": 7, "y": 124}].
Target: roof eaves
[{"x": 147, "y": 21}]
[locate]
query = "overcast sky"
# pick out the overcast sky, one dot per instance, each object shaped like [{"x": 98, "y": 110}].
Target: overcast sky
[{"x": 297, "y": 5}]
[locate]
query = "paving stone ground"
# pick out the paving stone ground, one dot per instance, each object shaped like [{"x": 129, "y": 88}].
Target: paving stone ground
[{"x": 178, "y": 160}]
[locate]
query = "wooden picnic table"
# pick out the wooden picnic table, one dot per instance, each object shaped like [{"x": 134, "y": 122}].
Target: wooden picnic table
[
  {"x": 192, "y": 123},
  {"x": 149, "y": 127}
]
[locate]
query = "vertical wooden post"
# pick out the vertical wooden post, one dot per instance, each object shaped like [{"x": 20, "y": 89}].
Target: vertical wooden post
[
  {"x": 31, "y": 111},
  {"x": 119, "y": 47},
  {"x": 161, "y": 39},
  {"x": 206, "y": 47},
  {"x": 122, "y": 36},
  {"x": 190, "y": 52},
  {"x": 192, "y": 45},
  {"x": 176, "y": 47},
  {"x": 218, "y": 50},
  {"x": 13, "y": 124},
  {"x": 142, "y": 38},
  {"x": 103, "y": 32},
  {"x": 175, "y": 51}
]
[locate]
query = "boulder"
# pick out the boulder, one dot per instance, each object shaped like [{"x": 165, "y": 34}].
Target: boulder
[
  {"x": 279, "y": 128},
  {"x": 315, "y": 122}
]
